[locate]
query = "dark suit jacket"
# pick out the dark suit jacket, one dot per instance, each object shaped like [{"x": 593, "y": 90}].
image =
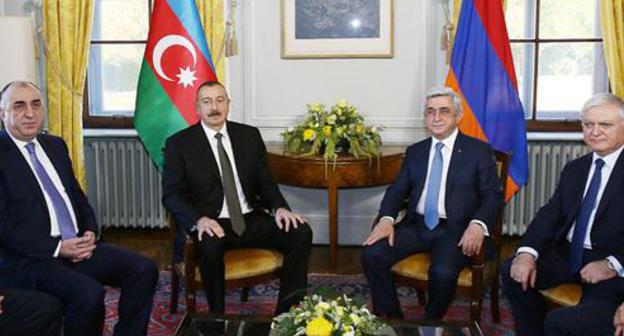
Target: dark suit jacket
[
  {"x": 192, "y": 185},
  {"x": 24, "y": 216},
  {"x": 473, "y": 189},
  {"x": 553, "y": 221}
]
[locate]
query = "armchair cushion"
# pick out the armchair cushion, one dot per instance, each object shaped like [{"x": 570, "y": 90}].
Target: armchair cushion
[
  {"x": 564, "y": 295},
  {"x": 416, "y": 266}
]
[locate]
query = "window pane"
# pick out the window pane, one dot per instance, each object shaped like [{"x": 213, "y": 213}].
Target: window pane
[
  {"x": 569, "y": 19},
  {"x": 568, "y": 74},
  {"x": 523, "y": 62},
  {"x": 520, "y": 18},
  {"x": 120, "y": 20},
  {"x": 113, "y": 76}
]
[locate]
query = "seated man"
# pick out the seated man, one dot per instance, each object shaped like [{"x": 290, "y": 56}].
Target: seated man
[
  {"x": 577, "y": 236},
  {"x": 47, "y": 226},
  {"x": 453, "y": 192},
  {"x": 217, "y": 185},
  {"x": 26, "y": 313}
]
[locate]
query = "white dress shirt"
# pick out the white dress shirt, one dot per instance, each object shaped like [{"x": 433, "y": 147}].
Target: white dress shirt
[
  {"x": 605, "y": 174},
  {"x": 227, "y": 145},
  {"x": 447, "y": 153},
  {"x": 56, "y": 180}
]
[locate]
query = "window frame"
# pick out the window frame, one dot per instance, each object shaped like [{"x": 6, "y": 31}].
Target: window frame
[
  {"x": 542, "y": 125},
  {"x": 122, "y": 121}
]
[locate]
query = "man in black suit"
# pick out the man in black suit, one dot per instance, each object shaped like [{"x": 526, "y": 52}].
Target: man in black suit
[
  {"x": 577, "y": 236},
  {"x": 48, "y": 229},
  {"x": 453, "y": 194},
  {"x": 26, "y": 313},
  {"x": 217, "y": 185}
]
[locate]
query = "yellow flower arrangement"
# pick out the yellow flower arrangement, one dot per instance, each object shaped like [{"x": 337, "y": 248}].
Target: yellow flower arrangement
[
  {"x": 319, "y": 327},
  {"x": 329, "y": 132},
  {"x": 317, "y": 316}
]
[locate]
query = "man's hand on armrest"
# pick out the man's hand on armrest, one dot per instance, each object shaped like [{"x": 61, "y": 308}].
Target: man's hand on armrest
[
  {"x": 383, "y": 229},
  {"x": 524, "y": 269},
  {"x": 209, "y": 226}
]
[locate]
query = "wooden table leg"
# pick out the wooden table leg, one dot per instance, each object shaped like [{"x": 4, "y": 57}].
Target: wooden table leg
[{"x": 332, "y": 192}]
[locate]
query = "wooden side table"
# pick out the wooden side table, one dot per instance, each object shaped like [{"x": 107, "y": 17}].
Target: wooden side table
[{"x": 349, "y": 172}]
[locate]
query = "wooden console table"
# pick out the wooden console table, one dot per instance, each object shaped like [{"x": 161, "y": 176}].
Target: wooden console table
[{"x": 350, "y": 172}]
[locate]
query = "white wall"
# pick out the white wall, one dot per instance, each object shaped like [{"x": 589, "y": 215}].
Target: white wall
[{"x": 270, "y": 92}]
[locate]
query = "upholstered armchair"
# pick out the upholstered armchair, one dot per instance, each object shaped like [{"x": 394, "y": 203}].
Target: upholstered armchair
[
  {"x": 244, "y": 268},
  {"x": 413, "y": 270}
]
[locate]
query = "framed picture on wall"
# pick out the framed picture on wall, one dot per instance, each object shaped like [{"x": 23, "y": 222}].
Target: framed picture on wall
[{"x": 337, "y": 28}]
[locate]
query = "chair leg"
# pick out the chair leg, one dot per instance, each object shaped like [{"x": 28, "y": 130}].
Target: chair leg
[
  {"x": 175, "y": 288},
  {"x": 189, "y": 283},
  {"x": 245, "y": 294},
  {"x": 494, "y": 304},
  {"x": 422, "y": 299}
]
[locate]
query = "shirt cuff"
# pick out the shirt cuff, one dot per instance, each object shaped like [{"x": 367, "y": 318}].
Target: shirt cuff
[
  {"x": 615, "y": 265},
  {"x": 58, "y": 249},
  {"x": 486, "y": 232},
  {"x": 388, "y": 217},
  {"x": 529, "y": 250}
]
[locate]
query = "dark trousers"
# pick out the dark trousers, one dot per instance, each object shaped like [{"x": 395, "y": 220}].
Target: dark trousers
[
  {"x": 447, "y": 260},
  {"x": 529, "y": 307},
  {"x": 26, "y": 313},
  {"x": 589, "y": 319},
  {"x": 79, "y": 286},
  {"x": 261, "y": 232}
]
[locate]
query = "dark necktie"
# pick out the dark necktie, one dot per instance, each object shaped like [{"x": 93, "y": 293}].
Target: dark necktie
[
  {"x": 582, "y": 221},
  {"x": 66, "y": 226},
  {"x": 432, "y": 217},
  {"x": 229, "y": 188}
]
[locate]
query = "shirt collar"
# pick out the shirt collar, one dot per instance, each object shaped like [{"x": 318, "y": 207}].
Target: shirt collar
[
  {"x": 448, "y": 142},
  {"x": 22, "y": 144},
  {"x": 610, "y": 159},
  {"x": 210, "y": 133}
]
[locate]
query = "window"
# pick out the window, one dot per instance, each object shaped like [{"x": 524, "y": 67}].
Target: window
[
  {"x": 558, "y": 55},
  {"x": 118, "y": 39}
]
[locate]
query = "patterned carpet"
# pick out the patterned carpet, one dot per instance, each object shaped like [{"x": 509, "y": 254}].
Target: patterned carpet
[{"x": 262, "y": 301}]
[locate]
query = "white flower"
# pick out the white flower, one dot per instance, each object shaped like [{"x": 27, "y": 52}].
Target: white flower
[
  {"x": 355, "y": 318},
  {"x": 331, "y": 119}
]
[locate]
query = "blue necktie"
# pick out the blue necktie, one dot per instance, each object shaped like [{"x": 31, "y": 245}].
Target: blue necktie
[
  {"x": 582, "y": 221},
  {"x": 60, "y": 208},
  {"x": 432, "y": 217}
]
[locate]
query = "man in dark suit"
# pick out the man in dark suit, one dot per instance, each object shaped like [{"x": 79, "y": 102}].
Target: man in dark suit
[
  {"x": 48, "y": 229},
  {"x": 577, "y": 236},
  {"x": 26, "y": 313},
  {"x": 453, "y": 192},
  {"x": 217, "y": 185}
]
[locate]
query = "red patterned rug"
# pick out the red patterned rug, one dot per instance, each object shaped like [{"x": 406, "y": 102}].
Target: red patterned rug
[{"x": 262, "y": 302}]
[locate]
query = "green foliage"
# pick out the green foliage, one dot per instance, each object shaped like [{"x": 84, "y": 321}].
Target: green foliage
[{"x": 327, "y": 133}]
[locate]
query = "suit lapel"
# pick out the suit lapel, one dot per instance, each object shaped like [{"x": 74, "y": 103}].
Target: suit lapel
[
  {"x": 579, "y": 185},
  {"x": 204, "y": 151},
  {"x": 456, "y": 162},
  {"x": 18, "y": 164},
  {"x": 422, "y": 166},
  {"x": 613, "y": 186},
  {"x": 237, "y": 140}
]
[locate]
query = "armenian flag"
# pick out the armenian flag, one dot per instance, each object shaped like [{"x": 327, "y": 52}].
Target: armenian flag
[{"x": 482, "y": 72}]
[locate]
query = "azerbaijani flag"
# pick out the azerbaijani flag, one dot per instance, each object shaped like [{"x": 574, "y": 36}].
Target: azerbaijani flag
[
  {"x": 482, "y": 72},
  {"x": 176, "y": 62}
]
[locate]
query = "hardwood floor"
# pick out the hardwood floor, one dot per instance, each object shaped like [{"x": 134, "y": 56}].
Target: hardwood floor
[{"x": 155, "y": 244}]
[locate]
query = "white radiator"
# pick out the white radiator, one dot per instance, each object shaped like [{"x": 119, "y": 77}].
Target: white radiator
[
  {"x": 124, "y": 184},
  {"x": 546, "y": 160}
]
